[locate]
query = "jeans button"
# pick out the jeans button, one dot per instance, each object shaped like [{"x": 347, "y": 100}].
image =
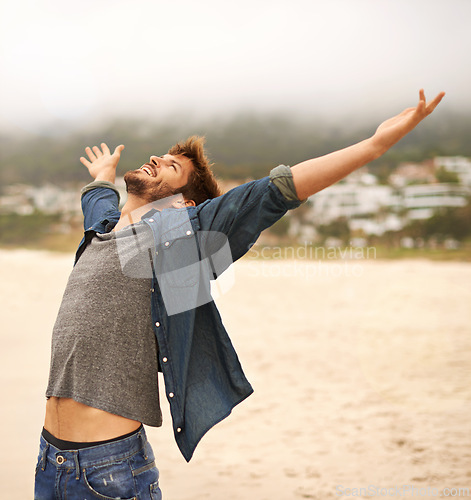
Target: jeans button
[{"x": 60, "y": 459}]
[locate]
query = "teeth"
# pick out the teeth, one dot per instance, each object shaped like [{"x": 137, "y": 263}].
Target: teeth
[{"x": 148, "y": 171}]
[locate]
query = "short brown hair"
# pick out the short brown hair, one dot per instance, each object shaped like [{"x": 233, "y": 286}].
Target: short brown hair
[{"x": 201, "y": 185}]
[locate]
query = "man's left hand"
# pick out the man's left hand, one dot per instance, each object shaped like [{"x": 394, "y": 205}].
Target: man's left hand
[{"x": 102, "y": 164}]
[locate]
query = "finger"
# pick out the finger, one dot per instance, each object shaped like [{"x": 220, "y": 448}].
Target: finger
[
  {"x": 433, "y": 104},
  {"x": 97, "y": 151},
  {"x": 421, "y": 104},
  {"x": 85, "y": 162},
  {"x": 118, "y": 149},
  {"x": 106, "y": 149},
  {"x": 90, "y": 154}
]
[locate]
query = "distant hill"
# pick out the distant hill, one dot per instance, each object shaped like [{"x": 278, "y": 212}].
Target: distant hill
[{"x": 244, "y": 146}]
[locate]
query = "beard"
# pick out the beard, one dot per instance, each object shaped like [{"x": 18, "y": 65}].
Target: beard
[{"x": 148, "y": 189}]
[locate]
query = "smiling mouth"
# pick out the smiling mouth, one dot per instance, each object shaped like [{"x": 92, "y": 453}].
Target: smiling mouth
[{"x": 149, "y": 170}]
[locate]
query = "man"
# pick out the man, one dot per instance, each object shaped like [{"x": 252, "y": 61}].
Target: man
[{"x": 138, "y": 301}]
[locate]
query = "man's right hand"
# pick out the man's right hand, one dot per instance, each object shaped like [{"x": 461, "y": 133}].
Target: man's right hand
[{"x": 102, "y": 164}]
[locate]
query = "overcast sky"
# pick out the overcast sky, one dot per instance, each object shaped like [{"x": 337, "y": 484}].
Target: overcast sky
[{"x": 95, "y": 59}]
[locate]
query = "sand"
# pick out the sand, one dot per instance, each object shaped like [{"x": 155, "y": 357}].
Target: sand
[{"x": 361, "y": 371}]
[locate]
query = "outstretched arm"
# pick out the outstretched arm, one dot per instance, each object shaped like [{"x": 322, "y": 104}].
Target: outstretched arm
[
  {"x": 100, "y": 200},
  {"x": 102, "y": 164},
  {"x": 314, "y": 175}
]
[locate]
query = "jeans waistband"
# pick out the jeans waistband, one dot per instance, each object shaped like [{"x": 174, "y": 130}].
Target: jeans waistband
[
  {"x": 95, "y": 455},
  {"x": 72, "y": 445}
]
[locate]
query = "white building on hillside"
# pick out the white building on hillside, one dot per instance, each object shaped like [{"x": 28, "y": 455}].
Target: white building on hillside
[
  {"x": 412, "y": 173},
  {"x": 369, "y": 208},
  {"x": 375, "y": 209},
  {"x": 424, "y": 200},
  {"x": 351, "y": 201}
]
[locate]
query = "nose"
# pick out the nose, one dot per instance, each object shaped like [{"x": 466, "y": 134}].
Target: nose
[{"x": 155, "y": 160}]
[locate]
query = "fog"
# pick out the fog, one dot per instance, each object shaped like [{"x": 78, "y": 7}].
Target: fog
[{"x": 74, "y": 64}]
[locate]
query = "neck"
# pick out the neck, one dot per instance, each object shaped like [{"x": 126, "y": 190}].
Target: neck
[
  {"x": 135, "y": 207},
  {"x": 132, "y": 211}
]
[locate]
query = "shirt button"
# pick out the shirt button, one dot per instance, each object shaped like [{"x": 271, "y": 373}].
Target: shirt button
[
  {"x": 167, "y": 243},
  {"x": 151, "y": 220},
  {"x": 179, "y": 429},
  {"x": 156, "y": 252},
  {"x": 171, "y": 394},
  {"x": 157, "y": 324},
  {"x": 164, "y": 360},
  {"x": 188, "y": 233}
]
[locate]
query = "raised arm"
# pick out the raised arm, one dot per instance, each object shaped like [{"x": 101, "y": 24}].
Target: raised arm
[
  {"x": 314, "y": 175},
  {"x": 100, "y": 199}
]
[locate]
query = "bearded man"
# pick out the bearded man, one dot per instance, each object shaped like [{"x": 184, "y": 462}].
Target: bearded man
[{"x": 138, "y": 301}]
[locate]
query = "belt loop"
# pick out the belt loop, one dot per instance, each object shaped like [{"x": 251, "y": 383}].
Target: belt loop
[
  {"x": 43, "y": 458},
  {"x": 77, "y": 466},
  {"x": 143, "y": 441}
]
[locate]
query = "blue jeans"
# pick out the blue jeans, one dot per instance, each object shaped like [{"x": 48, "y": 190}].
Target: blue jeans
[{"x": 122, "y": 469}]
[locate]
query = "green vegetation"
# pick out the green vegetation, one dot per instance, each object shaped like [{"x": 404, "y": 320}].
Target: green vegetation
[
  {"x": 37, "y": 230},
  {"x": 17, "y": 229},
  {"x": 443, "y": 175},
  {"x": 281, "y": 227},
  {"x": 336, "y": 229},
  {"x": 447, "y": 223}
]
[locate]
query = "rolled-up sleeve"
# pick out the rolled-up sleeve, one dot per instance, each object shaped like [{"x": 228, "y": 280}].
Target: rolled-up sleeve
[
  {"x": 100, "y": 184},
  {"x": 100, "y": 201},
  {"x": 282, "y": 177}
]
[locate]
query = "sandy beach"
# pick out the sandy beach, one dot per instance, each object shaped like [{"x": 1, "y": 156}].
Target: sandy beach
[{"x": 361, "y": 371}]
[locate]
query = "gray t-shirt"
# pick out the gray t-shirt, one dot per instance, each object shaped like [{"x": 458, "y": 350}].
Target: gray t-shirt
[{"x": 104, "y": 351}]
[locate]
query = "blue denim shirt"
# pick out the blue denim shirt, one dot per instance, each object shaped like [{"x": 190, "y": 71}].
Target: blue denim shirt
[{"x": 202, "y": 373}]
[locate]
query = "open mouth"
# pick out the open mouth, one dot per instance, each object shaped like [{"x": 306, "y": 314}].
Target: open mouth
[{"x": 149, "y": 170}]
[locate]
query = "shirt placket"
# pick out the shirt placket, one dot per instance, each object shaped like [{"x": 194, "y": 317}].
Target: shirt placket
[{"x": 165, "y": 357}]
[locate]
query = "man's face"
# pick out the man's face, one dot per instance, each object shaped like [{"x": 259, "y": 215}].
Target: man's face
[{"x": 161, "y": 177}]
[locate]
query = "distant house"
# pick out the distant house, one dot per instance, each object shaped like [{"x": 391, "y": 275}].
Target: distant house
[
  {"x": 54, "y": 199},
  {"x": 423, "y": 201},
  {"x": 25, "y": 199},
  {"x": 351, "y": 201},
  {"x": 413, "y": 173},
  {"x": 368, "y": 206},
  {"x": 15, "y": 199}
]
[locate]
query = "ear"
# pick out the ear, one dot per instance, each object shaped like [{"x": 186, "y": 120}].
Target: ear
[{"x": 180, "y": 202}]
